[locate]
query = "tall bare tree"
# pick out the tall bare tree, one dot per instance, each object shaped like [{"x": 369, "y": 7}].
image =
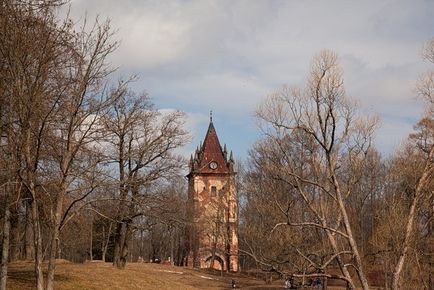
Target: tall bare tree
[
  {"x": 59, "y": 112},
  {"x": 142, "y": 143},
  {"x": 53, "y": 77},
  {"x": 422, "y": 149},
  {"x": 314, "y": 133},
  {"x": 75, "y": 122},
  {"x": 30, "y": 50}
]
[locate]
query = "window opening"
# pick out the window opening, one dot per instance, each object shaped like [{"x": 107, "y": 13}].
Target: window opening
[{"x": 213, "y": 191}]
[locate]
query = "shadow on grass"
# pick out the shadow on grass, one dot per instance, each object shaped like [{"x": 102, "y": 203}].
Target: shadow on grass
[
  {"x": 27, "y": 277},
  {"x": 21, "y": 276}
]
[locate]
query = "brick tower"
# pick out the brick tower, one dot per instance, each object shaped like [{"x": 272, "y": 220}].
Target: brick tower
[{"x": 212, "y": 206}]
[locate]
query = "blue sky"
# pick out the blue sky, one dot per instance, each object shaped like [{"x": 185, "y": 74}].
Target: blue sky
[{"x": 226, "y": 56}]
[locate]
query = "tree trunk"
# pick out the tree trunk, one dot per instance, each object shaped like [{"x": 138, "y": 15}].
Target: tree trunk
[
  {"x": 386, "y": 278},
  {"x": 119, "y": 236},
  {"x": 121, "y": 245},
  {"x": 103, "y": 244},
  {"x": 341, "y": 263},
  {"x": 55, "y": 239},
  {"x": 125, "y": 235},
  {"x": 5, "y": 247},
  {"x": 406, "y": 245},
  {"x": 334, "y": 244},
  {"x": 410, "y": 222},
  {"x": 106, "y": 242},
  {"x": 29, "y": 250},
  {"x": 37, "y": 238},
  {"x": 141, "y": 244},
  {"x": 124, "y": 246},
  {"x": 351, "y": 239},
  {"x": 172, "y": 247},
  {"x": 91, "y": 237},
  {"x": 120, "y": 228},
  {"x": 14, "y": 245}
]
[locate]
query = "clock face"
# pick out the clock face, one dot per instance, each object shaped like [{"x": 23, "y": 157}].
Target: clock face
[{"x": 213, "y": 165}]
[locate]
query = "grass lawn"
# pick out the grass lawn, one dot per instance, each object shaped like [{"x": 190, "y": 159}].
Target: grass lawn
[{"x": 99, "y": 275}]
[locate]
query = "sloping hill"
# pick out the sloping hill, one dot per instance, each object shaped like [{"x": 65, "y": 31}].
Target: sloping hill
[{"x": 99, "y": 275}]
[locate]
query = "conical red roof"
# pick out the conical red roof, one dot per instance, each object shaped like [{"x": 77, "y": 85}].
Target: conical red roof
[{"x": 211, "y": 151}]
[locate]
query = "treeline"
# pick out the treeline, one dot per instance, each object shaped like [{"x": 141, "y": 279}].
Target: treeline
[
  {"x": 319, "y": 200},
  {"x": 86, "y": 163}
]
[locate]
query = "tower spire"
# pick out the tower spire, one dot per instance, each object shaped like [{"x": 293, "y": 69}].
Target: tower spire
[{"x": 210, "y": 116}]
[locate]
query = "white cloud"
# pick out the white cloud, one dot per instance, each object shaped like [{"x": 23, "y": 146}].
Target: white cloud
[{"x": 228, "y": 55}]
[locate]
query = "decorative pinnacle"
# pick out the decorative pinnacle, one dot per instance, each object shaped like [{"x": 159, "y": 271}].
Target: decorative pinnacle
[{"x": 210, "y": 116}]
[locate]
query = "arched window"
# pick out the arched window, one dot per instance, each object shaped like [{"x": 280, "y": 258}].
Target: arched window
[{"x": 213, "y": 191}]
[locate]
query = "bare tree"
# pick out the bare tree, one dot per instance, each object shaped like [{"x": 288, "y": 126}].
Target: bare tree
[
  {"x": 53, "y": 77},
  {"x": 425, "y": 86},
  {"x": 312, "y": 134},
  {"x": 423, "y": 150},
  {"x": 53, "y": 86},
  {"x": 75, "y": 125},
  {"x": 142, "y": 141},
  {"x": 30, "y": 51}
]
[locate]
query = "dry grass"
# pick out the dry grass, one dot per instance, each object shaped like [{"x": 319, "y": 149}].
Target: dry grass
[{"x": 98, "y": 275}]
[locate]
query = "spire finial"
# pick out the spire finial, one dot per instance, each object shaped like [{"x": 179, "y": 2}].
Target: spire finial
[{"x": 210, "y": 116}]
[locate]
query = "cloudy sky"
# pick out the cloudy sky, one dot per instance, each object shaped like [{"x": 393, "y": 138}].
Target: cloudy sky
[{"x": 226, "y": 56}]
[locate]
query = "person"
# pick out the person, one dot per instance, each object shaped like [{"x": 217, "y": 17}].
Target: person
[{"x": 288, "y": 283}]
